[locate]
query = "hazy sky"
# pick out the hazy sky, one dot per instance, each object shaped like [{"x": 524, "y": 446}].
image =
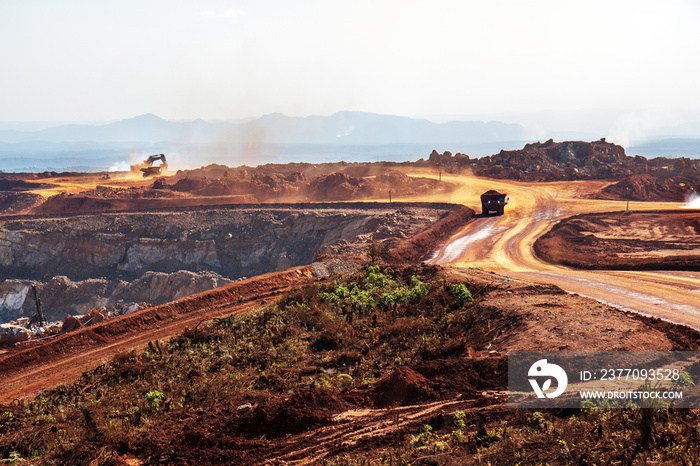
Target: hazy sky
[{"x": 75, "y": 60}]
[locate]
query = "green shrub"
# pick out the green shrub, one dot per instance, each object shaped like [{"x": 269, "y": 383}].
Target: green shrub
[
  {"x": 154, "y": 398},
  {"x": 461, "y": 294},
  {"x": 375, "y": 289}
]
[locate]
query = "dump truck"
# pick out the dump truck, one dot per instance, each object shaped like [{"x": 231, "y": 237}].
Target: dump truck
[
  {"x": 493, "y": 201},
  {"x": 147, "y": 166}
]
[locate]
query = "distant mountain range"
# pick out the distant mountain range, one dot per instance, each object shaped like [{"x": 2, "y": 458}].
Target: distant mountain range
[
  {"x": 371, "y": 129},
  {"x": 340, "y": 128},
  {"x": 349, "y": 136},
  {"x": 145, "y": 128}
]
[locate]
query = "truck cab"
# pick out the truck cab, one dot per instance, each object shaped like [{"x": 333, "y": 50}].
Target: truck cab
[{"x": 493, "y": 201}]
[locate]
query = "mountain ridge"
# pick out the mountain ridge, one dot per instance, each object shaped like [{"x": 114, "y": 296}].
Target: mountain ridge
[{"x": 344, "y": 127}]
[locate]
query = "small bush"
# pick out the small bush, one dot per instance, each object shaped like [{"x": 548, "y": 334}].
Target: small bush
[
  {"x": 461, "y": 294},
  {"x": 154, "y": 398}
]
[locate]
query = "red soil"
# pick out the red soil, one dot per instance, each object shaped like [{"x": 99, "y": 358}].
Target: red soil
[
  {"x": 46, "y": 363},
  {"x": 652, "y": 240}
]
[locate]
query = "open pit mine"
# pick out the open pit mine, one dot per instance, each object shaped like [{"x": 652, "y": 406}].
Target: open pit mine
[
  {"x": 300, "y": 313},
  {"x": 99, "y": 261},
  {"x": 110, "y": 243}
]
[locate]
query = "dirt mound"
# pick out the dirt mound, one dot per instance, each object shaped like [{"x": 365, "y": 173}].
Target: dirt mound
[
  {"x": 261, "y": 186},
  {"x": 683, "y": 338},
  {"x": 662, "y": 240},
  {"x": 305, "y": 409},
  {"x": 402, "y": 387},
  {"x": 446, "y": 160},
  {"x": 17, "y": 203},
  {"x": 466, "y": 377},
  {"x": 648, "y": 187},
  {"x": 19, "y": 185},
  {"x": 71, "y": 324},
  {"x": 307, "y": 170},
  {"x": 336, "y": 186},
  {"x": 108, "y": 193},
  {"x": 106, "y": 199}
]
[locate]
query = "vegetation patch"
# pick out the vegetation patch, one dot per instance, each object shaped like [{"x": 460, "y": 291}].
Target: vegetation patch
[
  {"x": 318, "y": 363},
  {"x": 282, "y": 369}
]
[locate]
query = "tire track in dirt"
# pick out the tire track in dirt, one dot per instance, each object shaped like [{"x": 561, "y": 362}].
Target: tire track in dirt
[
  {"x": 354, "y": 427},
  {"x": 507, "y": 248}
]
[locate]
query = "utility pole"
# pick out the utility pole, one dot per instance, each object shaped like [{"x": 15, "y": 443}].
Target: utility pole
[{"x": 390, "y": 196}]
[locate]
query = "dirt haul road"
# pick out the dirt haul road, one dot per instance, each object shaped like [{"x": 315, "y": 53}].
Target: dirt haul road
[
  {"x": 25, "y": 372},
  {"x": 504, "y": 244}
]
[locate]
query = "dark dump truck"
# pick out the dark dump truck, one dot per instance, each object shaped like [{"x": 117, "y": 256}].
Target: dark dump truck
[{"x": 493, "y": 201}]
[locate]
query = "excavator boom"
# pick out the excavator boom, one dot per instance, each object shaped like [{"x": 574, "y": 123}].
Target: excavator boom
[{"x": 147, "y": 166}]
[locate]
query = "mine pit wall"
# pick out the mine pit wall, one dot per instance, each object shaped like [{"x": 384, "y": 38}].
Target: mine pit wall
[
  {"x": 61, "y": 296},
  {"x": 85, "y": 261}
]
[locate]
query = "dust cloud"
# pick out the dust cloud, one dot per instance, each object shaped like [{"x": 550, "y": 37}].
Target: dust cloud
[
  {"x": 119, "y": 167},
  {"x": 693, "y": 201}
]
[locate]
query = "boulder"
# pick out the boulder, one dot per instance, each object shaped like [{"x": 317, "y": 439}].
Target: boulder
[
  {"x": 10, "y": 334},
  {"x": 71, "y": 324},
  {"x": 94, "y": 317}
]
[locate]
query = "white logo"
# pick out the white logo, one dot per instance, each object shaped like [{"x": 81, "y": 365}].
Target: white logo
[{"x": 542, "y": 369}]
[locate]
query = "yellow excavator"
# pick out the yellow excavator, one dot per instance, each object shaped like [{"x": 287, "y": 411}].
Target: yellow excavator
[{"x": 147, "y": 166}]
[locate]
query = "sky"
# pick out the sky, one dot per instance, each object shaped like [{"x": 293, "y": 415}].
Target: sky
[{"x": 633, "y": 62}]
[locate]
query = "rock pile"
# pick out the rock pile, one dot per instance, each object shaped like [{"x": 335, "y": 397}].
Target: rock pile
[
  {"x": 11, "y": 333},
  {"x": 649, "y": 187},
  {"x": 336, "y": 186},
  {"x": 658, "y": 179},
  {"x": 12, "y": 202},
  {"x": 20, "y": 330},
  {"x": 261, "y": 186}
]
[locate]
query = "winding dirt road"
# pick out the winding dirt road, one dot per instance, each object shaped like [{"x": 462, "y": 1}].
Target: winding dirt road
[{"x": 504, "y": 244}]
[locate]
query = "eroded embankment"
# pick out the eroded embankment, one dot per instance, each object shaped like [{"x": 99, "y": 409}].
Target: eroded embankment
[
  {"x": 89, "y": 261},
  {"x": 230, "y": 295},
  {"x": 654, "y": 240}
]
